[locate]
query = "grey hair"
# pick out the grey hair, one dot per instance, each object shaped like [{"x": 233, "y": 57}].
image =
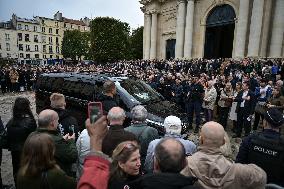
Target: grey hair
[
  {"x": 139, "y": 113},
  {"x": 116, "y": 116},
  {"x": 44, "y": 121}
]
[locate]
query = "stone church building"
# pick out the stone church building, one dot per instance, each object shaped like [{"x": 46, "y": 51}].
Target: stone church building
[{"x": 188, "y": 29}]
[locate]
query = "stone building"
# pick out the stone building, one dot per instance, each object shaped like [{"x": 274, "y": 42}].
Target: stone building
[
  {"x": 8, "y": 40},
  {"x": 37, "y": 40},
  {"x": 186, "y": 29}
]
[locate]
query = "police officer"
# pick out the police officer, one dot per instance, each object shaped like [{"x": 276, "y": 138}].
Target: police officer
[
  {"x": 195, "y": 94},
  {"x": 266, "y": 148}
]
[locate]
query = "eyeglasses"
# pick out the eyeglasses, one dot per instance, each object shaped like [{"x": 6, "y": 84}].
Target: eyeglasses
[{"x": 273, "y": 119}]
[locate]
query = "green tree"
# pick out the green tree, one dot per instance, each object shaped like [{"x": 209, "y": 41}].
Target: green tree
[
  {"x": 109, "y": 39},
  {"x": 75, "y": 44},
  {"x": 136, "y": 43}
]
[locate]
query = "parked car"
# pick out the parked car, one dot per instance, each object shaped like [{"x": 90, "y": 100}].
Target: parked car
[{"x": 81, "y": 88}]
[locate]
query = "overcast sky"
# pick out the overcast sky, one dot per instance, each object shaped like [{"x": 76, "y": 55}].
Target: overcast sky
[{"x": 124, "y": 10}]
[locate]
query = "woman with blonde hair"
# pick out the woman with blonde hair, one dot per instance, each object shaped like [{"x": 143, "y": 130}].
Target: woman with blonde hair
[
  {"x": 38, "y": 166},
  {"x": 125, "y": 166}
]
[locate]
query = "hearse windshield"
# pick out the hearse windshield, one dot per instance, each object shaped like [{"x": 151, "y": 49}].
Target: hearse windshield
[{"x": 141, "y": 91}]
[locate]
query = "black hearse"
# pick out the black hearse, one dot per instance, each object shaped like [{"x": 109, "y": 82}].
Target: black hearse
[{"x": 81, "y": 88}]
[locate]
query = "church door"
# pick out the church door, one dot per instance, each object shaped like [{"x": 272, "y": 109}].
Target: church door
[{"x": 219, "y": 36}]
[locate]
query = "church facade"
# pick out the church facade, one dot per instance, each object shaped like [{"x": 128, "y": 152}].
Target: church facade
[{"x": 185, "y": 29}]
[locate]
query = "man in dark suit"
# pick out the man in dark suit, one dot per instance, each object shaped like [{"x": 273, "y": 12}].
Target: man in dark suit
[{"x": 244, "y": 110}]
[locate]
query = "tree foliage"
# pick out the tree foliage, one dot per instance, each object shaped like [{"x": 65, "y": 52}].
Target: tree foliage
[
  {"x": 136, "y": 43},
  {"x": 109, "y": 39},
  {"x": 75, "y": 44}
]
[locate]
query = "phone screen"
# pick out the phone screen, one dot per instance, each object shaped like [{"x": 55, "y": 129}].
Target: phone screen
[{"x": 95, "y": 111}]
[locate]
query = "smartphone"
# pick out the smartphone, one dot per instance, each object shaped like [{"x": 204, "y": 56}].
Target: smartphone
[{"x": 95, "y": 111}]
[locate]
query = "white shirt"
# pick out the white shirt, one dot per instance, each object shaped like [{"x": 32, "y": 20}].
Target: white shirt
[{"x": 245, "y": 93}]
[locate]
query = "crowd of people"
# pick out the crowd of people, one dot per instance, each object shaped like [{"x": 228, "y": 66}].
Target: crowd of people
[{"x": 53, "y": 153}]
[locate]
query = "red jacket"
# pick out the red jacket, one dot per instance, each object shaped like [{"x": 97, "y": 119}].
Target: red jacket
[{"x": 95, "y": 172}]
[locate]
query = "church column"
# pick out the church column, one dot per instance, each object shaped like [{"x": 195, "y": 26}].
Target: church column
[
  {"x": 255, "y": 28},
  {"x": 180, "y": 28},
  {"x": 154, "y": 28},
  {"x": 277, "y": 30},
  {"x": 267, "y": 24},
  {"x": 242, "y": 23},
  {"x": 147, "y": 35},
  {"x": 189, "y": 30}
]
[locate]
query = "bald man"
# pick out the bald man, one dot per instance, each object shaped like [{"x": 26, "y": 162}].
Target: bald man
[
  {"x": 116, "y": 133},
  {"x": 65, "y": 148},
  {"x": 213, "y": 170}
]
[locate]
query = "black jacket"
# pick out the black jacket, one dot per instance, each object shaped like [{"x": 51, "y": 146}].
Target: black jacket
[
  {"x": 67, "y": 123},
  {"x": 18, "y": 131},
  {"x": 266, "y": 150},
  {"x": 107, "y": 102},
  {"x": 116, "y": 134},
  {"x": 165, "y": 181},
  {"x": 249, "y": 104}
]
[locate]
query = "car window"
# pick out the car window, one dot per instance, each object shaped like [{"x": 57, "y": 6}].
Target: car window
[{"x": 88, "y": 90}]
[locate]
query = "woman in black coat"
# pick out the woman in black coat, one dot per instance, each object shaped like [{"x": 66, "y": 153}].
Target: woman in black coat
[{"x": 18, "y": 129}]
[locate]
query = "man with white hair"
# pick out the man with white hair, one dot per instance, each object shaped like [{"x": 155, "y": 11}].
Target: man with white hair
[
  {"x": 116, "y": 133},
  {"x": 173, "y": 128},
  {"x": 144, "y": 133},
  {"x": 213, "y": 170}
]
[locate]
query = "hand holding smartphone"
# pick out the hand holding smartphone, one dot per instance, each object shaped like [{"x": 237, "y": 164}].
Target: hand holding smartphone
[{"x": 95, "y": 111}]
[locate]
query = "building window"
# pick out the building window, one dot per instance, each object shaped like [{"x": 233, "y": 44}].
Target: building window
[
  {"x": 57, "y": 49},
  {"x": 27, "y": 37},
  {"x": 57, "y": 41},
  {"x": 35, "y": 28},
  {"x": 36, "y": 38},
  {"x": 50, "y": 40},
  {"x": 65, "y": 25},
  {"x": 56, "y": 24},
  {"x": 28, "y": 56},
  {"x": 7, "y": 36},
  {"x": 84, "y": 28},
  {"x": 28, "y": 48},
  {"x": 0, "y": 46},
  {"x": 44, "y": 56},
  {"x": 50, "y": 49},
  {"x": 78, "y": 27},
  {"x": 50, "y": 30},
  {"x": 43, "y": 29},
  {"x": 36, "y": 55},
  {"x": 0, "y": 55},
  {"x": 20, "y": 36},
  {"x": 21, "y": 47},
  {"x": 44, "y": 48},
  {"x": 36, "y": 48},
  {"x": 50, "y": 56},
  {"x": 8, "y": 55},
  {"x": 21, "y": 55},
  {"x": 19, "y": 26},
  {"x": 57, "y": 31},
  {"x": 71, "y": 26},
  {"x": 8, "y": 46},
  {"x": 43, "y": 39},
  {"x": 26, "y": 27}
]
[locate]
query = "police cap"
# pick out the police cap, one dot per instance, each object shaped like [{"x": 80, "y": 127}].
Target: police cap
[{"x": 274, "y": 117}]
